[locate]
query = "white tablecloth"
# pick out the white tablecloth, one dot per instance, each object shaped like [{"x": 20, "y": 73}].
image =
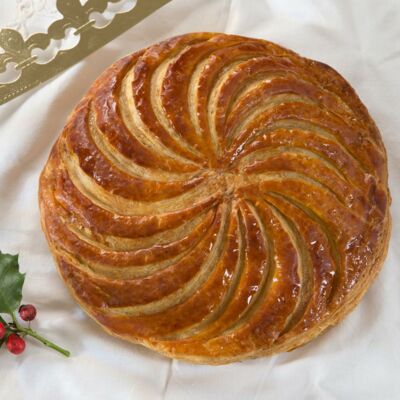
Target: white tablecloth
[{"x": 359, "y": 359}]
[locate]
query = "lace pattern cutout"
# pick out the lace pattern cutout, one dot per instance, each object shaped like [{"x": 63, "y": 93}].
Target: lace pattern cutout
[{"x": 27, "y": 58}]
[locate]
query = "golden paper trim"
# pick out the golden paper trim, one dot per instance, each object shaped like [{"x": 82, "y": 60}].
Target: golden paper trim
[{"x": 18, "y": 51}]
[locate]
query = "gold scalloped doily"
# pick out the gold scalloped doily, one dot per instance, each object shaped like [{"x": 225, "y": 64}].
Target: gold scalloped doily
[{"x": 18, "y": 52}]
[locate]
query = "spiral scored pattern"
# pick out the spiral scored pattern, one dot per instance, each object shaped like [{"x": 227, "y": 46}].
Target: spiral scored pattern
[{"x": 216, "y": 197}]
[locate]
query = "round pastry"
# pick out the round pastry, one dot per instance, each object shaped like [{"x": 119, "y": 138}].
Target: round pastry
[{"x": 215, "y": 198}]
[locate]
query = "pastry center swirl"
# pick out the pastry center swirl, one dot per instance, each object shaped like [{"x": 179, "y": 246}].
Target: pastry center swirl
[
  {"x": 229, "y": 182},
  {"x": 217, "y": 197}
]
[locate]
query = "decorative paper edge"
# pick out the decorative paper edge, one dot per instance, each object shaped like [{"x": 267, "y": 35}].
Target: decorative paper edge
[{"x": 91, "y": 38}]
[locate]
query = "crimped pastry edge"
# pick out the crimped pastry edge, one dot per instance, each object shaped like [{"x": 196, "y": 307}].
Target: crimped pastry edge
[{"x": 298, "y": 340}]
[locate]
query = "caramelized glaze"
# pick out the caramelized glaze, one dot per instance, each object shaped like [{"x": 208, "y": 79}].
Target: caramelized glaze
[{"x": 216, "y": 197}]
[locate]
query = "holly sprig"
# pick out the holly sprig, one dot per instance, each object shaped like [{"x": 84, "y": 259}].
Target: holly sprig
[{"x": 13, "y": 332}]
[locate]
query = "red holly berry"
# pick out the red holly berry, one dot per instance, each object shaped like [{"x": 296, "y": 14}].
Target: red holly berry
[
  {"x": 27, "y": 312},
  {"x": 15, "y": 344},
  {"x": 2, "y": 331}
]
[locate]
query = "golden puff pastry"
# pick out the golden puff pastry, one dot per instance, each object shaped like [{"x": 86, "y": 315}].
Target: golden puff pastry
[{"x": 216, "y": 198}]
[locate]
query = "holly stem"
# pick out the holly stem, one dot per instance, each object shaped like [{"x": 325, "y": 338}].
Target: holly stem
[{"x": 30, "y": 332}]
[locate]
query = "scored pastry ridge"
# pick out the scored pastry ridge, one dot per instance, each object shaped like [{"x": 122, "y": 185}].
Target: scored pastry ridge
[{"x": 216, "y": 198}]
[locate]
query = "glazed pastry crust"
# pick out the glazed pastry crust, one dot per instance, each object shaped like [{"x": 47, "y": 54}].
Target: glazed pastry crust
[{"x": 216, "y": 198}]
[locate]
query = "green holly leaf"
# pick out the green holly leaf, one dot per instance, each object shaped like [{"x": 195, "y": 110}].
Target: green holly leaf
[
  {"x": 5, "y": 324},
  {"x": 11, "y": 282}
]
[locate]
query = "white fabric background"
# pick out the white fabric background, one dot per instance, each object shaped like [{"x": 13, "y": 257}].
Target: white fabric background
[{"x": 359, "y": 359}]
